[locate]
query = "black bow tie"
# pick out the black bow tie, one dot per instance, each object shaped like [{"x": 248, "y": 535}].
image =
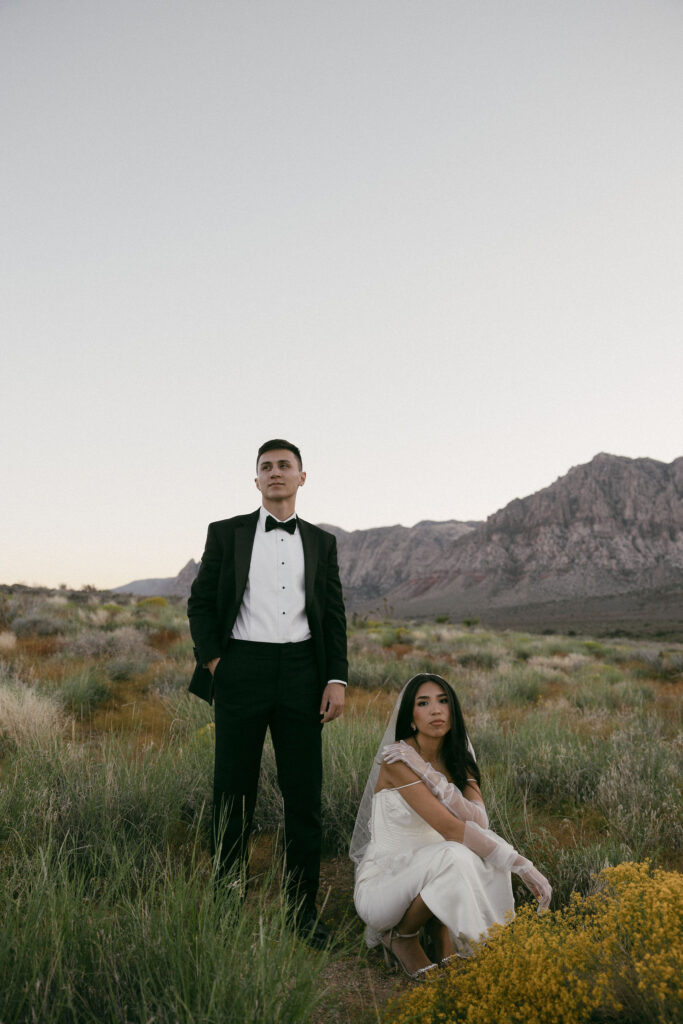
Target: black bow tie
[{"x": 275, "y": 524}]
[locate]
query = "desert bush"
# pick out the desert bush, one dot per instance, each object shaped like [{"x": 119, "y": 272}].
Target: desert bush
[
  {"x": 573, "y": 868},
  {"x": 395, "y": 635},
  {"x": 593, "y": 673},
  {"x": 614, "y": 955},
  {"x": 152, "y": 602},
  {"x": 173, "y": 678},
  {"x": 603, "y": 694},
  {"x": 545, "y": 761},
  {"x": 8, "y": 641},
  {"x": 477, "y": 659},
  {"x": 36, "y": 625},
  {"x": 518, "y": 684},
  {"x": 27, "y": 718},
  {"x": 639, "y": 790},
  {"x": 112, "y": 609},
  {"x": 101, "y": 643},
  {"x": 376, "y": 673},
  {"x": 127, "y": 666},
  {"x": 656, "y": 664},
  {"x": 125, "y": 648},
  {"x": 83, "y": 691},
  {"x": 182, "y": 651},
  {"x": 630, "y": 777}
]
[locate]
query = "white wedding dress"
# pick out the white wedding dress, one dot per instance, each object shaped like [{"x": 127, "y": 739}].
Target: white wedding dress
[{"x": 406, "y": 857}]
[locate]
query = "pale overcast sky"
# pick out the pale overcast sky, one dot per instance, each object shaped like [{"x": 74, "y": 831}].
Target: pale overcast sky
[{"x": 436, "y": 243}]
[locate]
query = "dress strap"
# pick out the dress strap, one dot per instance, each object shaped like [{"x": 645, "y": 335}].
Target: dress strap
[{"x": 416, "y": 783}]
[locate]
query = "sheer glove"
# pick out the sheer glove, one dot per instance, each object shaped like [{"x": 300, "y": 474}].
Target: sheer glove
[
  {"x": 446, "y": 792},
  {"x": 495, "y": 851}
]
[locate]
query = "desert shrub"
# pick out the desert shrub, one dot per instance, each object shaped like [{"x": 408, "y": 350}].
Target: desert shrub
[
  {"x": 605, "y": 694},
  {"x": 128, "y": 666},
  {"x": 379, "y": 672},
  {"x": 83, "y": 691},
  {"x": 36, "y": 625},
  {"x": 572, "y": 869},
  {"x": 112, "y": 609},
  {"x": 8, "y": 641},
  {"x": 125, "y": 648},
  {"x": 182, "y": 651},
  {"x": 517, "y": 685},
  {"x": 152, "y": 602},
  {"x": 656, "y": 664},
  {"x": 614, "y": 955},
  {"x": 477, "y": 659},
  {"x": 639, "y": 790},
  {"x": 173, "y": 678},
  {"x": 395, "y": 635},
  {"x": 27, "y": 718},
  {"x": 101, "y": 643},
  {"x": 595, "y": 672},
  {"x": 630, "y": 777},
  {"x": 544, "y": 760}
]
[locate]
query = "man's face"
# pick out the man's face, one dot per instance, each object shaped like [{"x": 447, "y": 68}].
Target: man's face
[{"x": 279, "y": 476}]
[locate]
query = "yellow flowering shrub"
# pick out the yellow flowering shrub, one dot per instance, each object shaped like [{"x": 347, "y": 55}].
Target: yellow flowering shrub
[{"x": 616, "y": 955}]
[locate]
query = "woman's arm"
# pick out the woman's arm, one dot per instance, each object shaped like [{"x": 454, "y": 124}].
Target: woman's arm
[
  {"x": 437, "y": 783},
  {"x": 424, "y": 803}
]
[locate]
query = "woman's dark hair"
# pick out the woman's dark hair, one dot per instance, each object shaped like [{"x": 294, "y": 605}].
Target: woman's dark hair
[{"x": 456, "y": 755}]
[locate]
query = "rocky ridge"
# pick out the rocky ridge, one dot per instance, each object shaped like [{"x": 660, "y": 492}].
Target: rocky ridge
[{"x": 613, "y": 526}]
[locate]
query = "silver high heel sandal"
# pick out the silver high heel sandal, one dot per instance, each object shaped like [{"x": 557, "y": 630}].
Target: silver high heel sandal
[{"x": 392, "y": 959}]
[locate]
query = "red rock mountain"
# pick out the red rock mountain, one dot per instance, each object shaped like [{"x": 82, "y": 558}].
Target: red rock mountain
[{"x": 611, "y": 527}]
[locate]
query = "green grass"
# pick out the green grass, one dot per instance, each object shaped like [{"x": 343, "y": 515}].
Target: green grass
[
  {"x": 83, "y": 691},
  {"x": 139, "y": 938},
  {"x": 105, "y": 884}
]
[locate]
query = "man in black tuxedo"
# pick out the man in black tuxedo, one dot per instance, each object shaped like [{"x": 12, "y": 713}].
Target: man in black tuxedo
[{"x": 269, "y": 630}]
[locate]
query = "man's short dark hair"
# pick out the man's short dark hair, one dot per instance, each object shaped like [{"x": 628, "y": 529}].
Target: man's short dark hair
[{"x": 279, "y": 442}]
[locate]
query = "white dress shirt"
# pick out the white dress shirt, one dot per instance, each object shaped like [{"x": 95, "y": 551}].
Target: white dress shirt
[{"x": 273, "y": 608}]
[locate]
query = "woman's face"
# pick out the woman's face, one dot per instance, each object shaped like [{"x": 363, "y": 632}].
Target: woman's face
[{"x": 431, "y": 711}]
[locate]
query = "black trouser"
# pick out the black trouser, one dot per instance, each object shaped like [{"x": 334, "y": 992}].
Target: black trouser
[{"x": 259, "y": 686}]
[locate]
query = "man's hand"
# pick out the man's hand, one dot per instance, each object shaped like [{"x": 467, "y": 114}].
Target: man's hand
[
  {"x": 332, "y": 704},
  {"x": 211, "y": 665}
]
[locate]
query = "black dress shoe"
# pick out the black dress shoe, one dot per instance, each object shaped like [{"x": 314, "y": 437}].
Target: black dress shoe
[{"x": 311, "y": 929}]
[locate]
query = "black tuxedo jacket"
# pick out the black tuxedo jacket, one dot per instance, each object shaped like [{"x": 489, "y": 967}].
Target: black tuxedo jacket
[{"x": 217, "y": 592}]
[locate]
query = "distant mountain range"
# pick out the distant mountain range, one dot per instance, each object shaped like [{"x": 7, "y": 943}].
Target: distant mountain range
[{"x": 609, "y": 531}]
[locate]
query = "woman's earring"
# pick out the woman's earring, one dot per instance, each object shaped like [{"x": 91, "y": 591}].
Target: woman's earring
[{"x": 413, "y": 727}]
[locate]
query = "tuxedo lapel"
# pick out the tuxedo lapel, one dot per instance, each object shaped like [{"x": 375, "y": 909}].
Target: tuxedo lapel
[
  {"x": 310, "y": 545},
  {"x": 244, "y": 543}
]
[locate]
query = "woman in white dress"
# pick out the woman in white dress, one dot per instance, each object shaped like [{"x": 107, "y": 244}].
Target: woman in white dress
[{"x": 425, "y": 856}]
